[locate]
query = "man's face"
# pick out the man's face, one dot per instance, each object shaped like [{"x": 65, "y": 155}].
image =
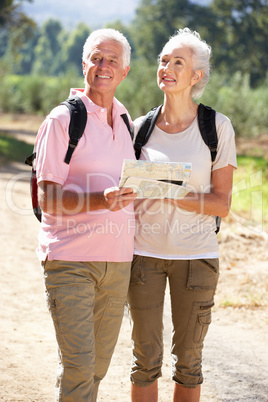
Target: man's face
[{"x": 103, "y": 70}]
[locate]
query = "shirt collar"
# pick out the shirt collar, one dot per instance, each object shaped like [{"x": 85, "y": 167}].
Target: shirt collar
[{"x": 91, "y": 107}]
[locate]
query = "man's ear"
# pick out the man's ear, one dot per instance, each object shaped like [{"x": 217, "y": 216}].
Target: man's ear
[
  {"x": 84, "y": 68},
  {"x": 125, "y": 73}
]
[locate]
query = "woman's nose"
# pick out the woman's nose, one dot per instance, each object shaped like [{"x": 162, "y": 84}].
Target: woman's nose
[{"x": 167, "y": 66}]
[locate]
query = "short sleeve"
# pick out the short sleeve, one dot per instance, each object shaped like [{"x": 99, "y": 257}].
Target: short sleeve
[
  {"x": 51, "y": 147},
  {"x": 226, "y": 151}
]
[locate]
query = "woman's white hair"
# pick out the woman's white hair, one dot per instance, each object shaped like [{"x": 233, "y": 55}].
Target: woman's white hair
[
  {"x": 107, "y": 34},
  {"x": 201, "y": 55}
]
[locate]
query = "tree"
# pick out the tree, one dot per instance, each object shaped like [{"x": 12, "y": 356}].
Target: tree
[
  {"x": 242, "y": 43},
  {"x": 15, "y": 30},
  {"x": 125, "y": 30},
  {"x": 155, "y": 22},
  {"x": 48, "y": 50},
  {"x": 73, "y": 47}
]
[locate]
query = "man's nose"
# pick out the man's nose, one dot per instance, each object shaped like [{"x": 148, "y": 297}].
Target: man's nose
[{"x": 103, "y": 62}]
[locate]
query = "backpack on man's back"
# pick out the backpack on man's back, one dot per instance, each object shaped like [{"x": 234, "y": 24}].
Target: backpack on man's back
[{"x": 78, "y": 120}]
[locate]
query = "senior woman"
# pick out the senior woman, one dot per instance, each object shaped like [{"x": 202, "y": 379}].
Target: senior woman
[{"x": 182, "y": 246}]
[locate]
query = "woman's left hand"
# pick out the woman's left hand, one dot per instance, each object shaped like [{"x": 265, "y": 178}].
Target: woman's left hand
[{"x": 217, "y": 202}]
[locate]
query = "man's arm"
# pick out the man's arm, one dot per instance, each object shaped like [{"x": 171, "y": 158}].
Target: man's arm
[{"x": 54, "y": 200}]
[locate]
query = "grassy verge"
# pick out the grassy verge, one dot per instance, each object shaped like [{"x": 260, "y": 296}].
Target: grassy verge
[
  {"x": 12, "y": 149},
  {"x": 250, "y": 191}
]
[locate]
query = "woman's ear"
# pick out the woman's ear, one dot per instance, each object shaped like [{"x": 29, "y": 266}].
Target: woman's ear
[{"x": 197, "y": 76}]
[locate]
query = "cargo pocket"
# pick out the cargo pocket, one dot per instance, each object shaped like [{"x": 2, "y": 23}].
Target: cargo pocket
[
  {"x": 71, "y": 309},
  {"x": 107, "y": 333},
  {"x": 203, "y": 274},
  {"x": 198, "y": 324}
]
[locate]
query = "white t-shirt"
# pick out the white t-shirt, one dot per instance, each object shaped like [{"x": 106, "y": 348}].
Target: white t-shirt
[{"x": 165, "y": 231}]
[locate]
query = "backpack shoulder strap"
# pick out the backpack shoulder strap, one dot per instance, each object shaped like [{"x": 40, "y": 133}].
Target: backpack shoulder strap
[
  {"x": 126, "y": 121},
  {"x": 207, "y": 126},
  {"x": 146, "y": 129},
  {"x": 78, "y": 120}
]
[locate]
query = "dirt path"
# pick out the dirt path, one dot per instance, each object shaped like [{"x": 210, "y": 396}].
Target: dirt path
[{"x": 235, "y": 356}]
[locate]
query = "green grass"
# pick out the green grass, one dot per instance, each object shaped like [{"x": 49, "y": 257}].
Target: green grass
[
  {"x": 250, "y": 190},
  {"x": 12, "y": 149}
]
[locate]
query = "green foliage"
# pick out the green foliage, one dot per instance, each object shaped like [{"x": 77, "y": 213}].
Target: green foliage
[
  {"x": 73, "y": 46},
  {"x": 155, "y": 21},
  {"x": 235, "y": 98},
  {"x": 245, "y": 106},
  {"x": 242, "y": 36},
  {"x": 236, "y": 29},
  {"x": 139, "y": 91},
  {"x": 10, "y": 13},
  {"x": 35, "y": 94},
  {"x": 48, "y": 54}
]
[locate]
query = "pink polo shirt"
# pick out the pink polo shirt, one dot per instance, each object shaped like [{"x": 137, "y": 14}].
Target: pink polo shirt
[{"x": 95, "y": 165}]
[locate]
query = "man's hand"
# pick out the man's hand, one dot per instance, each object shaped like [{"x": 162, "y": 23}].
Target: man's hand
[
  {"x": 118, "y": 198},
  {"x": 54, "y": 200}
]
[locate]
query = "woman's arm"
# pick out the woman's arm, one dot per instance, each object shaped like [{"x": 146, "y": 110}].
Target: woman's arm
[
  {"x": 54, "y": 200},
  {"x": 217, "y": 202}
]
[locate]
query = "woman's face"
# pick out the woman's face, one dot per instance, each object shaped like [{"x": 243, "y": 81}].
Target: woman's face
[{"x": 175, "y": 71}]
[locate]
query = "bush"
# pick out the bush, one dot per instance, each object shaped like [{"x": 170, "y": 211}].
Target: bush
[
  {"x": 139, "y": 92},
  {"x": 34, "y": 94},
  {"x": 246, "y": 107}
]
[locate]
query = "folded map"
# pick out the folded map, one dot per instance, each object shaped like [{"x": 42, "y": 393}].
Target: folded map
[{"x": 156, "y": 180}]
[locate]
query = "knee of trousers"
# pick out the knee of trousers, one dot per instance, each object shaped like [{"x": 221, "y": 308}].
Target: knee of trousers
[
  {"x": 187, "y": 368},
  {"x": 145, "y": 369},
  {"x": 147, "y": 337},
  {"x": 187, "y": 347}
]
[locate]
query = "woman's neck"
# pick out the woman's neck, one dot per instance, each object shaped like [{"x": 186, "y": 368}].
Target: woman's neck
[{"x": 176, "y": 115}]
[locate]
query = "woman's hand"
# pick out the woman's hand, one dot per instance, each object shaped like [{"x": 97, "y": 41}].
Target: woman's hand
[{"x": 217, "y": 202}]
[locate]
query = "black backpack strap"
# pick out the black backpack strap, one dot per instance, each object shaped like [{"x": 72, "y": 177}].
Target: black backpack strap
[
  {"x": 29, "y": 160},
  {"x": 207, "y": 126},
  {"x": 126, "y": 121},
  {"x": 146, "y": 129},
  {"x": 78, "y": 120}
]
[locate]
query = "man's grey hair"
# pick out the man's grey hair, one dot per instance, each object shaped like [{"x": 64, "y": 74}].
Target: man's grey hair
[{"x": 107, "y": 34}]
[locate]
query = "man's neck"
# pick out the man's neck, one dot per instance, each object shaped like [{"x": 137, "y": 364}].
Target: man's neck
[{"x": 105, "y": 101}]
